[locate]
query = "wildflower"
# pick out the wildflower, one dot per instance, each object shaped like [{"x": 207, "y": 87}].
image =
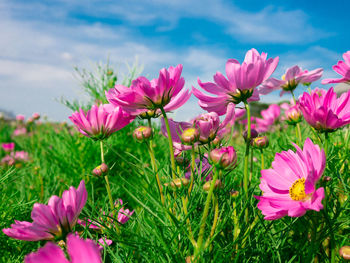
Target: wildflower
[
  {"x": 290, "y": 80},
  {"x": 123, "y": 214},
  {"x": 100, "y": 170},
  {"x": 344, "y": 252},
  {"x": 324, "y": 111},
  {"x": 142, "y": 133},
  {"x": 271, "y": 114},
  {"x": 208, "y": 125},
  {"x": 293, "y": 115},
  {"x": 79, "y": 250},
  {"x": 289, "y": 186},
  {"x": 100, "y": 121},
  {"x": 20, "y": 131},
  {"x": 8, "y": 147},
  {"x": 53, "y": 220},
  {"x": 166, "y": 93},
  {"x": 20, "y": 117},
  {"x": 342, "y": 68},
  {"x": 36, "y": 116},
  {"x": 260, "y": 142},
  {"x": 203, "y": 166},
  {"x": 240, "y": 85},
  {"x": 189, "y": 136},
  {"x": 224, "y": 157}
]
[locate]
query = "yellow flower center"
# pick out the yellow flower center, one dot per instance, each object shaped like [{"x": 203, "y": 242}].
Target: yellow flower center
[
  {"x": 283, "y": 77},
  {"x": 297, "y": 191},
  {"x": 141, "y": 129},
  {"x": 189, "y": 132}
]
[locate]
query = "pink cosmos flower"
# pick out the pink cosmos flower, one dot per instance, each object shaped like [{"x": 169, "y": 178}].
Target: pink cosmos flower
[
  {"x": 208, "y": 125},
  {"x": 165, "y": 92},
  {"x": 293, "y": 115},
  {"x": 124, "y": 214},
  {"x": 224, "y": 157},
  {"x": 342, "y": 68},
  {"x": 100, "y": 121},
  {"x": 203, "y": 168},
  {"x": 289, "y": 186},
  {"x": 21, "y": 156},
  {"x": 8, "y": 160},
  {"x": 324, "y": 111},
  {"x": 20, "y": 131},
  {"x": 20, "y": 117},
  {"x": 79, "y": 251},
  {"x": 55, "y": 219},
  {"x": 290, "y": 80},
  {"x": 36, "y": 116},
  {"x": 271, "y": 114},
  {"x": 8, "y": 147},
  {"x": 240, "y": 85}
]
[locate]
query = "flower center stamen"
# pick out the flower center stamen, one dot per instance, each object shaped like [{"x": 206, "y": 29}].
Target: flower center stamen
[{"x": 297, "y": 191}]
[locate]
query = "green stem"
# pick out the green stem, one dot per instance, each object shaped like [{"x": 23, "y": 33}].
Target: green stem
[
  {"x": 193, "y": 169},
  {"x": 106, "y": 178},
  {"x": 251, "y": 164},
  {"x": 184, "y": 204},
  {"x": 154, "y": 167},
  {"x": 298, "y": 133},
  {"x": 326, "y": 143},
  {"x": 205, "y": 215},
  {"x": 262, "y": 160},
  {"x": 171, "y": 150},
  {"x": 295, "y": 101},
  {"x": 246, "y": 159},
  {"x": 215, "y": 222}
]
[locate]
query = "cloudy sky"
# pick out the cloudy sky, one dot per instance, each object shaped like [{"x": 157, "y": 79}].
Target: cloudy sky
[{"x": 41, "y": 42}]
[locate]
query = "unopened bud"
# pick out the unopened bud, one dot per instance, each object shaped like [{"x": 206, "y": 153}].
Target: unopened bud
[
  {"x": 142, "y": 133},
  {"x": 217, "y": 185},
  {"x": 327, "y": 179},
  {"x": 148, "y": 114},
  {"x": 253, "y": 134},
  {"x": 181, "y": 161},
  {"x": 345, "y": 252},
  {"x": 234, "y": 193},
  {"x": 224, "y": 157},
  {"x": 190, "y": 136},
  {"x": 178, "y": 183},
  {"x": 293, "y": 115},
  {"x": 100, "y": 170},
  {"x": 36, "y": 116},
  {"x": 260, "y": 142}
]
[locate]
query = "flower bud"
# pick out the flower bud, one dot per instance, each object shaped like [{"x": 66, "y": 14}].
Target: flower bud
[
  {"x": 142, "y": 133},
  {"x": 260, "y": 142},
  {"x": 224, "y": 157},
  {"x": 327, "y": 179},
  {"x": 190, "y": 136},
  {"x": 148, "y": 114},
  {"x": 234, "y": 193},
  {"x": 206, "y": 186},
  {"x": 20, "y": 117},
  {"x": 253, "y": 134},
  {"x": 178, "y": 183},
  {"x": 36, "y": 116},
  {"x": 293, "y": 115},
  {"x": 181, "y": 161},
  {"x": 345, "y": 252},
  {"x": 100, "y": 170}
]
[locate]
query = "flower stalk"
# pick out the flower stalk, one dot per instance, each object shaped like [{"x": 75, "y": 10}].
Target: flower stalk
[
  {"x": 106, "y": 178},
  {"x": 246, "y": 158}
]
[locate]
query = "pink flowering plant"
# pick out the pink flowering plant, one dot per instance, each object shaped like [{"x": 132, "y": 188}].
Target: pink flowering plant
[{"x": 241, "y": 181}]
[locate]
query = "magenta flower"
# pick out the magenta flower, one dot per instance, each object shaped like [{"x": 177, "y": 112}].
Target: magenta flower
[
  {"x": 20, "y": 117},
  {"x": 240, "y": 85},
  {"x": 100, "y": 121},
  {"x": 208, "y": 125},
  {"x": 290, "y": 80},
  {"x": 79, "y": 250},
  {"x": 166, "y": 92},
  {"x": 224, "y": 157},
  {"x": 293, "y": 115},
  {"x": 342, "y": 68},
  {"x": 289, "y": 186},
  {"x": 324, "y": 111},
  {"x": 36, "y": 116},
  {"x": 21, "y": 156},
  {"x": 203, "y": 168},
  {"x": 8, "y": 147},
  {"x": 271, "y": 114},
  {"x": 20, "y": 131},
  {"x": 55, "y": 219},
  {"x": 124, "y": 214}
]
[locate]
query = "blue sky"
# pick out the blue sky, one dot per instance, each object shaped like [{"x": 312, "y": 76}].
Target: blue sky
[{"x": 41, "y": 42}]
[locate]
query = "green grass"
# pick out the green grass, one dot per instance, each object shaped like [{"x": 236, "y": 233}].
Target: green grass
[{"x": 63, "y": 157}]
